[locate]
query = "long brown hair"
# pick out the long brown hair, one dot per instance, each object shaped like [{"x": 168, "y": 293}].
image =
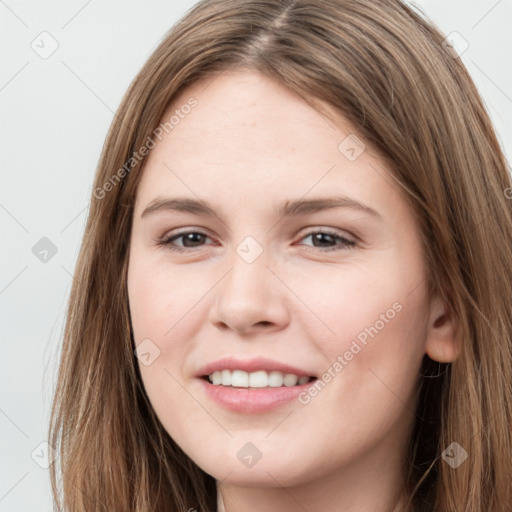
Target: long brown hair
[{"x": 383, "y": 66}]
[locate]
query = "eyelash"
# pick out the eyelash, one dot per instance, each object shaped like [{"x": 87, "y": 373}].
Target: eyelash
[{"x": 345, "y": 245}]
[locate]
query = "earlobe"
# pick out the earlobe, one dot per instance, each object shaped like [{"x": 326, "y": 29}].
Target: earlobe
[{"x": 442, "y": 341}]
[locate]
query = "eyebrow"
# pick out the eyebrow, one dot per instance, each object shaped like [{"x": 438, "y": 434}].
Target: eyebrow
[{"x": 287, "y": 209}]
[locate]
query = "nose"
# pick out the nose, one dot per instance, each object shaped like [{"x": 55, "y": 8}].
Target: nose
[{"x": 250, "y": 298}]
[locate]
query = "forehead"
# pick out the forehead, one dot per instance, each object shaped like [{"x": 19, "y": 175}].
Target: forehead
[
  {"x": 237, "y": 108},
  {"x": 250, "y": 138}
]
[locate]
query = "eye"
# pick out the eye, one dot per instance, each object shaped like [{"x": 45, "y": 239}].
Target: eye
[
  {"x": 190, "y": 240},
  {"x": 325, "y": 236}
]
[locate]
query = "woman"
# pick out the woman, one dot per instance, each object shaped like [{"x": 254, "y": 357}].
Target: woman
[{"x": 212, "y": 358}]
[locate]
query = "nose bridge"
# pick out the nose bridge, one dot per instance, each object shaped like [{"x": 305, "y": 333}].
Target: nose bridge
[
  {"x": 249, "y": 293},
  {"x": 249, "y": 274}
]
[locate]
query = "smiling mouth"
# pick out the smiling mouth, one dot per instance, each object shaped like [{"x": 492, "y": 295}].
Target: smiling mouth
[{"x": 259, "y": 379}]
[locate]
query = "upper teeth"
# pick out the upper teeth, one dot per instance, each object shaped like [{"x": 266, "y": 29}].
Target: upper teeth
[{"x": 259, "y": 379}]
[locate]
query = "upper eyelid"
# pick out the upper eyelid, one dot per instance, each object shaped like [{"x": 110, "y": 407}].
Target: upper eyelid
[{"x": 168, "y": 235}]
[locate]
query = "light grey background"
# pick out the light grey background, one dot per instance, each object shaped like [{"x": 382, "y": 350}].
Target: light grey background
[{"x": 54, "y": 115}]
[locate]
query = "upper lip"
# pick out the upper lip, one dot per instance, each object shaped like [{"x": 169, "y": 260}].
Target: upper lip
[{"x": 250, "y": 365}]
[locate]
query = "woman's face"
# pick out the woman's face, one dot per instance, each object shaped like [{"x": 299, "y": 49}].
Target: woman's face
[{"x": 306, "y": 262}]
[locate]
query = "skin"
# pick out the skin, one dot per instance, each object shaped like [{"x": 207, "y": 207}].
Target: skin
[{"x": 248, "y": 145}]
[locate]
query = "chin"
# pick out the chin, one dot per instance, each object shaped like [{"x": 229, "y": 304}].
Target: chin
[{"x": 275, "y": 471}]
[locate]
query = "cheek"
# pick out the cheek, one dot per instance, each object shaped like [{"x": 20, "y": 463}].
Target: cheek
[
  {"x": 369, "y": 325},
  {"x": 161, "y": 298},
  {"x": 159, "y": 310},
  {"x": 360, "y": 302},
  {"x": 165, "y": 313}
]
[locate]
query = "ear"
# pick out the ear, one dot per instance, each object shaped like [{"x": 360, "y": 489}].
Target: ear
[{"x": 442, "y": 341}]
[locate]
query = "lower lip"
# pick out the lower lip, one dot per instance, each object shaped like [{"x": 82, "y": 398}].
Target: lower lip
[{"x": 252, "y": 400}]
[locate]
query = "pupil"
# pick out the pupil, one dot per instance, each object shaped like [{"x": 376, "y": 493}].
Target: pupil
[
  {"x": 190, "y": 237},
  {"x": 320, "y": 236}
]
